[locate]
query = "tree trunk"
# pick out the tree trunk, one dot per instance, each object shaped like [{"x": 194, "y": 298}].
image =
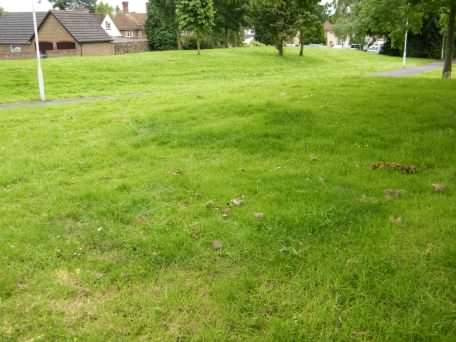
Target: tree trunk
[
  {"x": 198, "y": 45},
  {"x": 226, "y": 38},
  {"x": 301, "y": 44},
  {"x": 178, "y": 38},
  {"x": 443, "y": 46},
  {"x": 447, "y": 67},
  {"x": 280, "y": 47}
]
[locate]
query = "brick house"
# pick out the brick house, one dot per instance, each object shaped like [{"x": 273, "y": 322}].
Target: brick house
[
  {"x": 60, "y": 33},
  {"x": 131, "y": 24},
  {"x": 16, "y": 30}
]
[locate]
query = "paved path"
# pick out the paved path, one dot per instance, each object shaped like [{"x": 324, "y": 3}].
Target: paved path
[
  {"x": 412, "y": 71},
  {"x": 35, "y": 104}
]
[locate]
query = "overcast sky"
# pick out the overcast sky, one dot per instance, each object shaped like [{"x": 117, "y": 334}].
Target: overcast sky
[{"x": 26, "y": 5}]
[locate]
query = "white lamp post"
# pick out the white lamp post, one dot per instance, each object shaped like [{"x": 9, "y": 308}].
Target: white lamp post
[
  {"x": 404, "y": 58},
  {"x": 38, "y": 56}
]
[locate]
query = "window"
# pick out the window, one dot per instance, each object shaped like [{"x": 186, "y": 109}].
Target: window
[
  {"x": 108, "y": 25},
  {"x": 66, "y": 46},
  {"x": 130, "y": 34},
  {"x": 45, "y": 46}
]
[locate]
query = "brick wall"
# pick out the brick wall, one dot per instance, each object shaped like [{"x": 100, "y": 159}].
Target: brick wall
[
  {"x": 62, "y": 53},
  {"x": 97, "y": 49},
  {"x": 121, "y": 48},
  {"x": 22, "y": 51}
]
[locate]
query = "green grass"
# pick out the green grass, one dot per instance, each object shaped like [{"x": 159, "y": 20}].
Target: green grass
[{"x": 105, "y": 228}]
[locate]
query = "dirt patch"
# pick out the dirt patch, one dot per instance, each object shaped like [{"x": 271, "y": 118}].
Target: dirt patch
[{"x": 404, "y": 168}]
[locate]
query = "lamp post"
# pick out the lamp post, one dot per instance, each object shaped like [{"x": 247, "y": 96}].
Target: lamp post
[
  {"x": 38, "y": 56},
  {"x": 404, "y": 57}
]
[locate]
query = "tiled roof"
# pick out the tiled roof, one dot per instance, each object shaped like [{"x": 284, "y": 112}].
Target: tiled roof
[
  {"x": 83, "y": 26},
  {"x": 130, "y": 21},
  {"x": 100, "y": 17},
  {"x": 17, "y": 27}
]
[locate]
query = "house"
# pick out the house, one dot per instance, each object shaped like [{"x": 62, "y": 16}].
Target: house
[
  {"x": 131, "y": 24},
  {"x": 249, "y": 37},
  {"x": 107, "y": 24},
  {"x": 332, "y": 40},
  {"x": 60, "y": 33},
  {"x": 127, "y": 30},
  {"x": 16, "y": 30}
]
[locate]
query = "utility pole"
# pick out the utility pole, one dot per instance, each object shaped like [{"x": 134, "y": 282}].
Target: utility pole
[{"x": 38, "y": 56}]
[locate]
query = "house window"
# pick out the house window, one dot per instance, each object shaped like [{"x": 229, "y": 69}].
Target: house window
[
  {"x": 66, "y": 46},
  {"x": 129, "y": 34},
  {"x": 45, "y": 46},
  {"x": 108, "y": 25}
]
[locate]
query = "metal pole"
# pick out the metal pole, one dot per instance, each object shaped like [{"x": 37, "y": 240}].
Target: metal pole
[
  {"x": 404, "y": 58},
  {"x": 38, "y": 56}
]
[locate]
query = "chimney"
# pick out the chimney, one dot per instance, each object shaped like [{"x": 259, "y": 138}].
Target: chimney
[{"x": 125, "y": 6}]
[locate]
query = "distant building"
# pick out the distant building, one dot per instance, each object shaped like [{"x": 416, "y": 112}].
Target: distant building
[
  {"x": 64, "y": 33},
  {"x": 332, "y": 40},
  {"x": 249, "y": 36},
  {"x": 131, "y": 24},
  {"x": 60, "y": 33},
  {"x": 107, "y": 24}
]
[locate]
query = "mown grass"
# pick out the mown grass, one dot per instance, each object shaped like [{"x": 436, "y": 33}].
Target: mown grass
[{"x": 108, "y": 209}]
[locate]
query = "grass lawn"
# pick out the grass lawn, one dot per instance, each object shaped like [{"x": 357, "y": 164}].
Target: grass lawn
[{"x": 109, "y": 209}]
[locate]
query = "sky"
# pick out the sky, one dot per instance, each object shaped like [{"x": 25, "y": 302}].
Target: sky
[{"x": 26, "y": 5}]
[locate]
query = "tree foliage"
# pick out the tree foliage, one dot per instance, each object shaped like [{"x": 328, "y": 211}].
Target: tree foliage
[
  {"x": 310, "y": 16},
  {"x": 230, "y": 19},
  {"x": 359, "y": 18},
  {"x": 74, "y": 4},
  {"x": 161, "y": 25},
  {"x": 279, "y": 21},
  {"x": 196, "y": 16},
  {"x": 274, "y": 22},
  {"x": 103, "y": 8}
]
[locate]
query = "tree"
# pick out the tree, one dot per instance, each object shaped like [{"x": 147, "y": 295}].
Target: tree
[
  {"x": 230, "y": 18},
  {"x": 309, "y": 22},
  {"x": 103, "y": 8},
  {"x": 1, "y": 10},
  {"x": 450, "y": 38},
  {"x": 389, "y": 18},
  {"x": 196, "y": 16},
  {"x": 74, "y": 4},
  {"x": 161, "y": 25},
  {"x": 274, "y": 21}
]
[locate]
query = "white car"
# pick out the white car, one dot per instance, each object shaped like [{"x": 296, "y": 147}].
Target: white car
[{"x": 375, "y": 48}]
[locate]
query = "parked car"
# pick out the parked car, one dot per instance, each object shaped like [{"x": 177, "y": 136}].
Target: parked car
[
  {"x": 375, "y": 48},
  {"x": 315, "y": 45}
]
